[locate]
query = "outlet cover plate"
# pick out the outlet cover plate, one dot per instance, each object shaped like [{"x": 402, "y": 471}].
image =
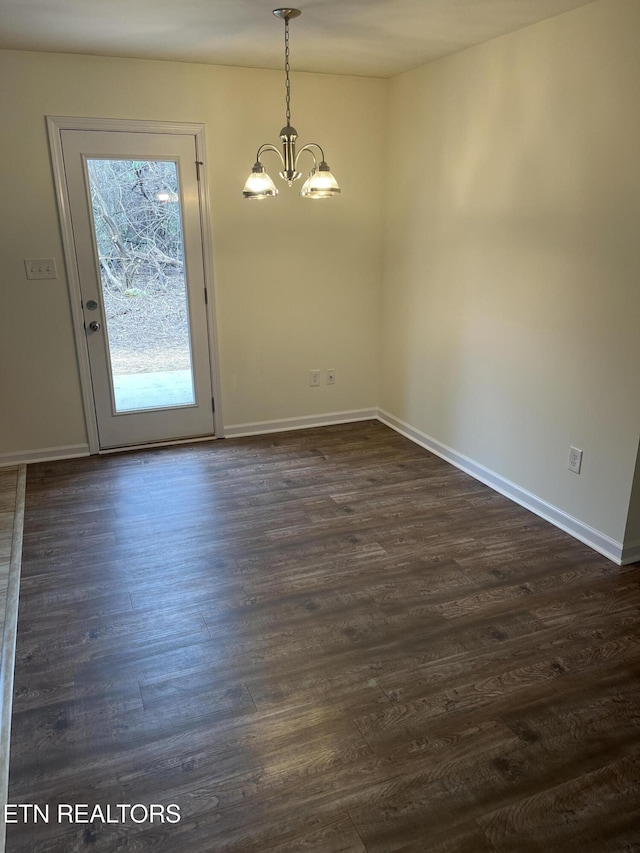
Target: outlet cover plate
[{"x": 575, "y": 460}]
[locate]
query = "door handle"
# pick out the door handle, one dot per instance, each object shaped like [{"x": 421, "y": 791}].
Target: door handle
[{"x": 95, "y": 326}]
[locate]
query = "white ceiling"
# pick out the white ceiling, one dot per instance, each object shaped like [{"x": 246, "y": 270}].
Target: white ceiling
[{"x": 373, "y": 38}]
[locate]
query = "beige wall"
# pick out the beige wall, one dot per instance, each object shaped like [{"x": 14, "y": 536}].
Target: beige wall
[
  {"x": 511, "y": 300},
  {"x": 297, "y": 282}
]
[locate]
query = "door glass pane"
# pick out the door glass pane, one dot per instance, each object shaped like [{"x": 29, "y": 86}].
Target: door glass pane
[{"x": 138, "y": 229}]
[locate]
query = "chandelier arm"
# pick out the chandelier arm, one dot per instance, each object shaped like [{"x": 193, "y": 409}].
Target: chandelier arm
[
  {"x": 269, "y": 147},
  {"x": 308, "y": 147}
]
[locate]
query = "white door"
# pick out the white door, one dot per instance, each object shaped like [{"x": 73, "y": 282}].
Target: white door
[{"x": 135, "y": 216}]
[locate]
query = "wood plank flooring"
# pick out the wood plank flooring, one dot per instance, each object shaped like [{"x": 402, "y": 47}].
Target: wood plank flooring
[{"x": 326, "y": 640}]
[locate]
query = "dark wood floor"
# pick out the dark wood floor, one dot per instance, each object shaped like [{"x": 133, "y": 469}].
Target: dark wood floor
[{"x": 327, "y": 640}]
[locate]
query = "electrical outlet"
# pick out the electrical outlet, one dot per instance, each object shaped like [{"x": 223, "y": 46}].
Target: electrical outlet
[
  {"x": 331, "y": 376},
  {"x": 575, "y": 460},
  {"x": 314, "y": 378},
  {"x": 39, "y": 268}
]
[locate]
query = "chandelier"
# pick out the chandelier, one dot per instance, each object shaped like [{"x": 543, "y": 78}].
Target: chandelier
[{"x": 320, "y": 183}]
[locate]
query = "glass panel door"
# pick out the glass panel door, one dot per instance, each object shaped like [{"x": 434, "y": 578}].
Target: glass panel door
[
  {"x": 134, "y": 201},
  {"x": 138, "y": 234}
]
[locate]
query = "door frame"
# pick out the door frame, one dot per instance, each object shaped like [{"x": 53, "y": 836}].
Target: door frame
[{"x": 55, "y": 126}]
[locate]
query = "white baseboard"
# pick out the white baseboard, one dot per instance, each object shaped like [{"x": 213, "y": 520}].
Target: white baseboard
[
  {"x": 631, "y": 554},
  {"x": 45, "y": 454},
  {"x": 595, "y": 539},
  {"x": 304, "y": 422}
]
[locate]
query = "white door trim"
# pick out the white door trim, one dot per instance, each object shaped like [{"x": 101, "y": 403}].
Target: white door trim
[{"x": 55, "y": 125}]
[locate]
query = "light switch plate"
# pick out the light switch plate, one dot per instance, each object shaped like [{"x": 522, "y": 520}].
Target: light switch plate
[{"x": 40, "y": 268}]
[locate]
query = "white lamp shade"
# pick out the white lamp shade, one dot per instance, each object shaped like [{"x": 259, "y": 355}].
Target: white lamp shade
[
  {"x": 320, "y": 184},
  {"x": 259, "y": 185}
]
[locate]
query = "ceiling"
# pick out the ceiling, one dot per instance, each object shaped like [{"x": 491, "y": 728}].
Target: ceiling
[{"x": 373, "y": 38}]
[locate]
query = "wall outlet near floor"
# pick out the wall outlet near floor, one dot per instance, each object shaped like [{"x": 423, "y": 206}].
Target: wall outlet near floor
[
  {"x": 331, "y": 376},
  {"x": 314, "y": 378},
  {"x": 575, "y": 460},
  {"x": 39, "y": 268}
]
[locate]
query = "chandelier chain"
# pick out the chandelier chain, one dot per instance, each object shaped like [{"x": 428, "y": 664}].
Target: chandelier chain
[{"x": 286, "y": 70}]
